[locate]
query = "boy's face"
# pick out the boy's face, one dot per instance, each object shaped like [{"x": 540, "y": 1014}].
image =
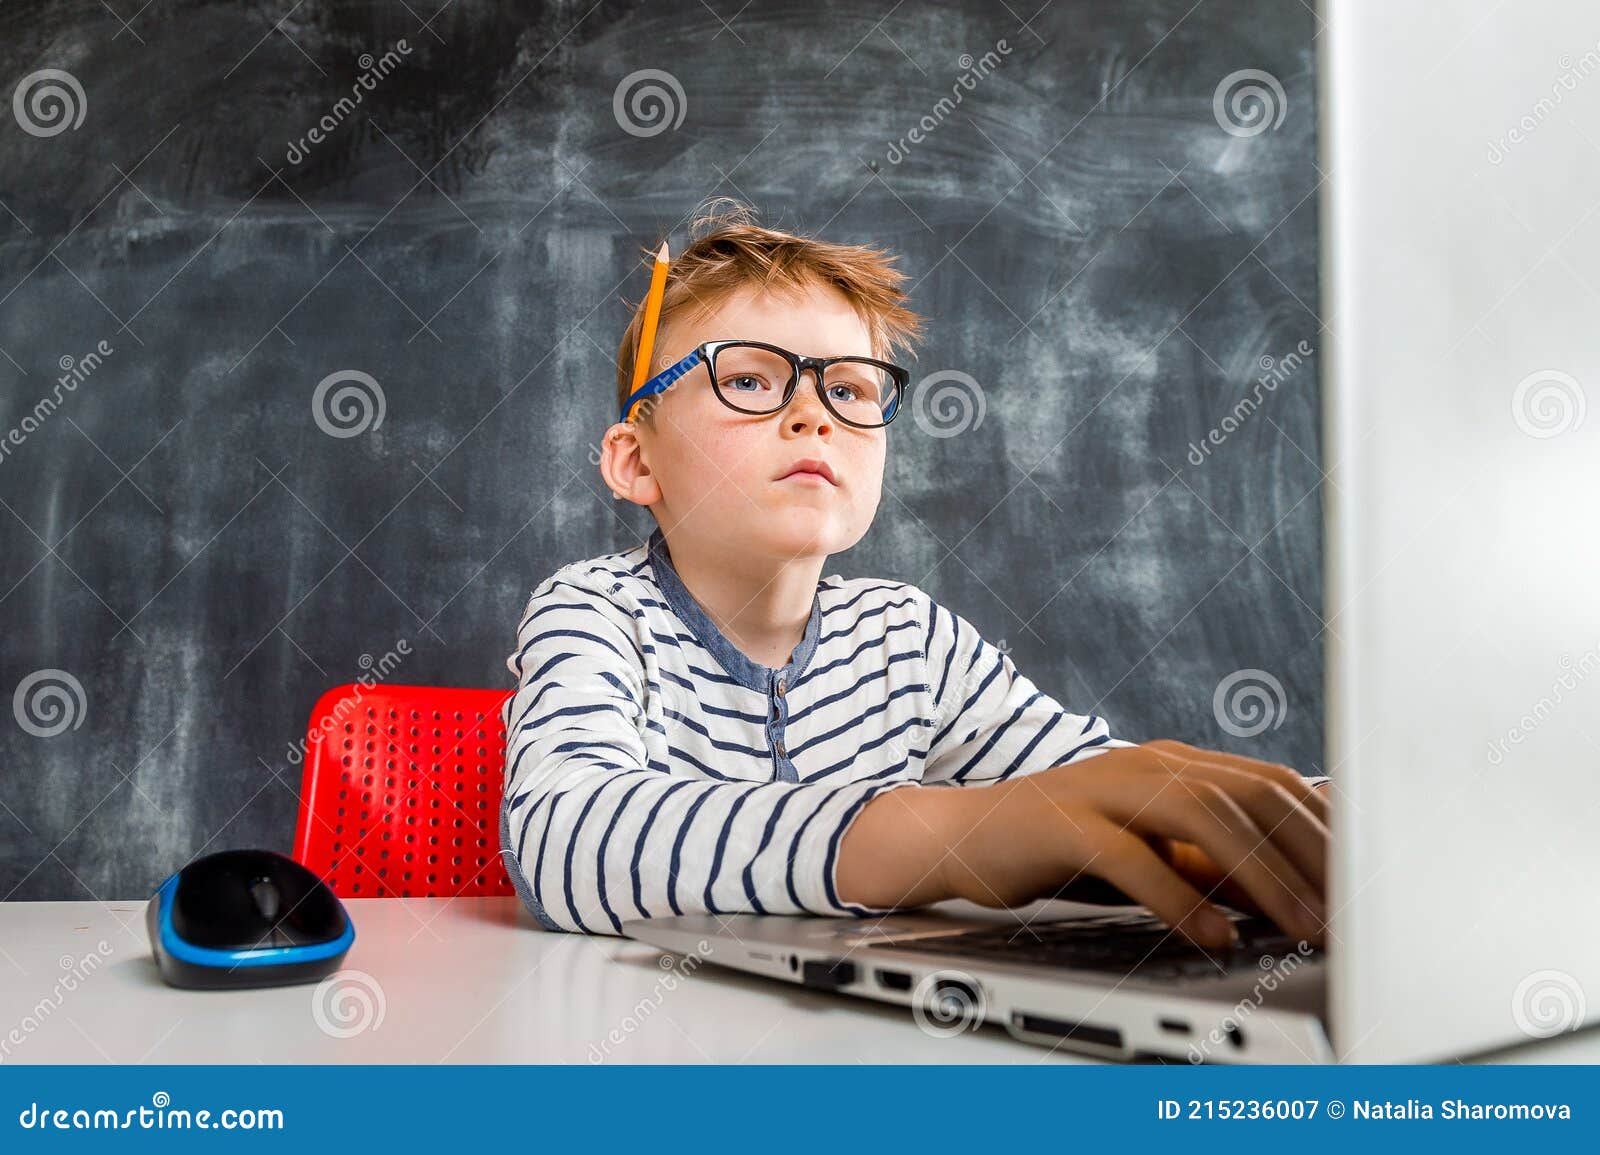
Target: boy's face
[{"x": 724, "y": 476}]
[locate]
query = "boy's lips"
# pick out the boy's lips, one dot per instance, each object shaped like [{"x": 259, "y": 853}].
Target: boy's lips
[{"x": 809, "y": 467}]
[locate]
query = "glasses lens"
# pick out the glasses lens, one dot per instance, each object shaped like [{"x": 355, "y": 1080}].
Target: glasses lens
[
  {"x": 752, "y": 379},
  {"x": 861, "y": 392}
]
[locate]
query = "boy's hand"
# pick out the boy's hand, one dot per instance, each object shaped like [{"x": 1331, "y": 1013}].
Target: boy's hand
[{"x": 1166, "y": 823}]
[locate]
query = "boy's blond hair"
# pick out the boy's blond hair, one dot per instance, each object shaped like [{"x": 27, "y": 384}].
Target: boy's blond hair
[{"x": 730, "y": 251}]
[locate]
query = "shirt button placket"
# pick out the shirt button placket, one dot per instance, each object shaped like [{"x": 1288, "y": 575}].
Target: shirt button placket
[{"x": 775, "y": 727}]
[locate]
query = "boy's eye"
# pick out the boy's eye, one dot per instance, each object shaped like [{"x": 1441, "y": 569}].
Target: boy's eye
[
  {"x": 745, "y": 383},
  {"x": 846, "y": 391}
]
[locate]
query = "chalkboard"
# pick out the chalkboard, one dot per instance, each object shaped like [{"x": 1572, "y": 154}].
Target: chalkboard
[{"x": 308, "y": 322}]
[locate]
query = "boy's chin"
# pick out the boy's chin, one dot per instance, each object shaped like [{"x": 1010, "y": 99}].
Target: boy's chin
[{"x": 797, "y": 535}]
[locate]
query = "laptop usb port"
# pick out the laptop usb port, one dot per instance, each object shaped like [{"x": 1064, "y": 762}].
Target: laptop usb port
[
  {"x": 1070, "y": 1032},
  {"x": 828, "y": 974},
  {"x": 892, "y": 980}
]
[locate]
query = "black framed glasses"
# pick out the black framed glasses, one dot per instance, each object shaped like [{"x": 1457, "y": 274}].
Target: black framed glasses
[{"x": 757, "y": 378}]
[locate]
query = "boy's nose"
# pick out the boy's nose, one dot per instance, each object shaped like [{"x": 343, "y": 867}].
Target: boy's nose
[{"x": 806, "y": 410}]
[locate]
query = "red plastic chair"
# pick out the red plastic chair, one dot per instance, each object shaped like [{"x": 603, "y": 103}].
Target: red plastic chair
[{"x": 401, "y": 792}]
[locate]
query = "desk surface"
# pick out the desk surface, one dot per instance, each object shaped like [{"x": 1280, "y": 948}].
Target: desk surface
[{"x": 467, "y": 980}]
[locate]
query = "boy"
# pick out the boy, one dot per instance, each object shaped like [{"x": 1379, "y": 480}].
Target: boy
[{"x": 705, "y": 723}]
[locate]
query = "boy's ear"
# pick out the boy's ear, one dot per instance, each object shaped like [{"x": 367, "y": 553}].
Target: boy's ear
[{"x": 623, "y": 467}]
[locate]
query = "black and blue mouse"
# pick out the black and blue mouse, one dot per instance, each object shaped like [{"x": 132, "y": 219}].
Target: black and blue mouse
[{"x": 246, "y": 918}]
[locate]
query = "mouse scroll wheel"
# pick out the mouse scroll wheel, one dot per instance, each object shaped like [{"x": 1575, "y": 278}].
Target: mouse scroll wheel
[{"x": 266, "y": 898}]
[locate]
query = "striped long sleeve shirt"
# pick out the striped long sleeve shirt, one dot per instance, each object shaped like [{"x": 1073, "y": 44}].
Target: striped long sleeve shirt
[{"x": 652, "y": 768}]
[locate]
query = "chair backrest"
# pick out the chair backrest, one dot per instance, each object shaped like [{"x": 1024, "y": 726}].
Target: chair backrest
[{"x": 401, "y": 792}]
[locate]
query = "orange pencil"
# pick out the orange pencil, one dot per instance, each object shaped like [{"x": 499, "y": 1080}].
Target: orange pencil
[{"x": 652, "y": 316}]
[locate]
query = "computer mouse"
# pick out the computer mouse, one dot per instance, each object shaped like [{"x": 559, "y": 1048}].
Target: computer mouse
[{"x": 246, "y": 918}]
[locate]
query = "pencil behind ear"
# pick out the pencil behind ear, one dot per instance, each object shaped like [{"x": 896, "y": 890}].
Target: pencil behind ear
[{"x": 652, "y": 316}]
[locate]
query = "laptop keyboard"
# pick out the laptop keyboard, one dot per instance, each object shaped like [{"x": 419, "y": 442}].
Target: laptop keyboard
[{"x": 1123, "y": 943}]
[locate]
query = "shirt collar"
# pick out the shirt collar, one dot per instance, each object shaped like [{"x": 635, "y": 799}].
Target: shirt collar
[{"x": 747, "y": 673}]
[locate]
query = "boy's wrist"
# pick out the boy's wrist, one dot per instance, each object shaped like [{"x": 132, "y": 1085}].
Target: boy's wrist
[
  {"x": 944, "y": 812},
  {"x": 953, "y": 815},
  {"x": 897, "y": 851}
]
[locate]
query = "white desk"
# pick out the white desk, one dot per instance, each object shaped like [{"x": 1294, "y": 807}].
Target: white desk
[{"x": 470, "y": 980}]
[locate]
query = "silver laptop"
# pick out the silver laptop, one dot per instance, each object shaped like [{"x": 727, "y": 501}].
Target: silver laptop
[{"x": 1460, "y": 243}]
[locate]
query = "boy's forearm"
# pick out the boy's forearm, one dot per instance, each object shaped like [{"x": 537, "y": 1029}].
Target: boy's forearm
[{"x": 895, "y": 851}]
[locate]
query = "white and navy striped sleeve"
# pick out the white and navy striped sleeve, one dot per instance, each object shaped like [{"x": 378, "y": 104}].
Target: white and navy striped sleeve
[
  {"x": 990, "y": 722},
  {"x": 594, "y": 832}
]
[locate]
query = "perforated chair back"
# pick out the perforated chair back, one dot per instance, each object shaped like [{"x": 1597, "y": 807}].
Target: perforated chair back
[{"x": 401, "y": 792}]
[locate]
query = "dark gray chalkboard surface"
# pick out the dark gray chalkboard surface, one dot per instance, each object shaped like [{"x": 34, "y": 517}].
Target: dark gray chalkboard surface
[{"x": 1112, "y": 232}]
